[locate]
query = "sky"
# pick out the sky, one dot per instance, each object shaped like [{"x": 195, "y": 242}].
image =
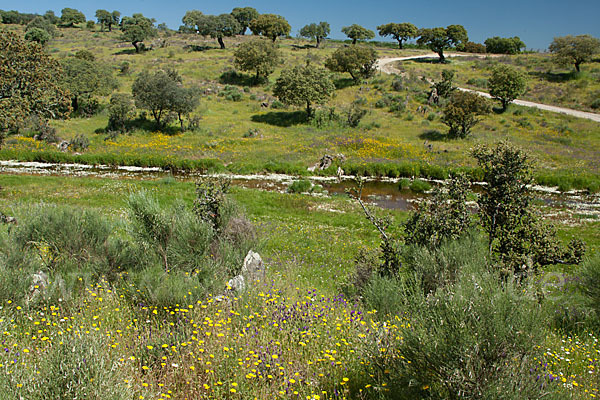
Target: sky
[{"x": 536, "y": 22}]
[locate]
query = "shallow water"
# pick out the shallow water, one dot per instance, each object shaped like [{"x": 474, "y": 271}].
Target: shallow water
[{"x": 575, "y": 205}]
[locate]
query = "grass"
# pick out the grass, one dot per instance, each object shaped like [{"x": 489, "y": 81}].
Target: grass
[{"x": 562, "y": 145}]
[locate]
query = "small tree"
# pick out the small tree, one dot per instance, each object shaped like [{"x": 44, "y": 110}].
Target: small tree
[
  {"x": 136, "y": 29},
  {"x": 357, "y": 32},
  {"x": 519, "y": 240},
  {"x": 506, "y": 84},
  {"x": 442, "y": 217},
  {"x": 400, "y": 32},
  {"x": 440, "y": 39},
  {"x": 37, "y": 35},
  {"x": 70, "y": 17},
  {"x": 154, "y": 92},
  {"x": 244, "y": 15},
  {"x": 217, "y": 26},
  {"x": 257, "y": 55},
  {"x": 116, "y": 15},
  {"x": 85, "y": 77},
  {"x": 574, "y": 50},
  {"x": 460, "y": 114},
  {"x": 120, "y": 111},
  {"x": 184, "y": 101},
  {"x": 316, "y": 31},
  {"x": 499, "y": 45},
  {"x": 445, "y": 87},
  {"x": 270, "y": 25},
  {"x": 28, "y": 83},
  {"x": 359, "y": 62},
  {"x": 43, "y": 24},
  {"x": 304, "y": 86}
]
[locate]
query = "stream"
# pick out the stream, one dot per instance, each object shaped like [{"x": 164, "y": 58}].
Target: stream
[{"x": 573, "y": 206}]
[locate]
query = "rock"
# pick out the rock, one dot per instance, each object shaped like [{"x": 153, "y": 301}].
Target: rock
[
  {"x": 264, "y": 104},
  {"x": 340, "y": 173},
  {"x": 63, "y": 146},
  {"x": 237, "y": 283},
  {"x": 39, "y": 283},
  {"x": 253, "y": 267}
]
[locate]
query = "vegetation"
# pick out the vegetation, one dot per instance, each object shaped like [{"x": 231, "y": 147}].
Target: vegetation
[
  {"x": 270, "y": 25},
  {"x": 215, "y": 26},
  {"x": 574, "y": 50},
  {"x": 244, "y": 15},
  {"x": 358, "y": 61},
  {"x": 440, "y": 39},
  {"x": 461, "y": 112},
  {"x": 317, "y": 32},
  {"x": 136, "y": 29},
  {"x": 107, "y": 19},
  {"x": 304, "y": 86},
  {"x": 258, "y": 56},
  {"x": 70, "y": 16},
  {"x": 506, "y": 84},
  {"x": 400, "y": 32},
  {"x": 499, "y": 45},
  {"x": 357, "y": 32}
]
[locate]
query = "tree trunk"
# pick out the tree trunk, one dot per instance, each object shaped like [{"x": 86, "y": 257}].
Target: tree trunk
[
  {"x": 400, "y": 44},
  {"x": 181, "y": 122},
  {"x": 244, "y": 30},
  {"x": 75, "y": 103},
  {"x": 577, "y": 67},
  {"x": 441, "y": 54},
  {"x": 137, "y": 47},
  {"x": 221, "y": 43},
  {"x": 274, "y": 38},
  {"x": 308, "y": 110},
  {"x": 318, "y": 41},
  {"x": 110, "y": 27},
  {"x": 354, "y": 41}
]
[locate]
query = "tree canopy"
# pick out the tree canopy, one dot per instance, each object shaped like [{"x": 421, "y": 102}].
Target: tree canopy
[
  {"x": 71, "y": 16},
  {"x": 215, "y": 26},
  {"x": 440, "y": 39},
  {"x": 460, "y": 114},
  {"x": 357, "y": 32},
  {"x": 244, "y": 15},
  {"x": 107, "y": 19},
  {"x": 506, "y": 84},
  {"x": 83, "y": 76},
  {"x": 28, "y": 83},
  {"x": 257, "y": 55},
  {"x": 136, "y": 29},
  {"x": 574, "y": 50},
  {"x": 500, "y": 45},
  {"x": 162, "y": 92},
  {"x": 270, "y": 25},
  {"x": 316, "y": 31},
  {"x": 400, "y": 32},
  {"x": 359, "y": 62},
  {"x": 303, "y": 86}
]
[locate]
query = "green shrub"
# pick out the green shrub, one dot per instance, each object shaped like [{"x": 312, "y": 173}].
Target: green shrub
[
  {"x": 419, "y": 186},
  {"x": 300, "y": 186},
  {"x": 231, "y": 93}
]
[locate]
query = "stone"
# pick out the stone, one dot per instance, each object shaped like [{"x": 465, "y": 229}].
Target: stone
[
  {"x": 253, "y": 267},
  {"x": 63, "y": 146},
  {"x": 237, "y": 283},
  {"x": 39, "y": 283}
]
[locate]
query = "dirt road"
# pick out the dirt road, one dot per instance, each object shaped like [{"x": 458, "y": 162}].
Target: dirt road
[{"x": 386, "y": 65}]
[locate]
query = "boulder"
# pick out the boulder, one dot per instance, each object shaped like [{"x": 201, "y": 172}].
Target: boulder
[
  {"x": 253, "y": 268},
  {"x": 237, "y": 283}
]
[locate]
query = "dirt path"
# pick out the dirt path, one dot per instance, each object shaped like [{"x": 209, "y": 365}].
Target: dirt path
[{"x": 386, "y": 65}]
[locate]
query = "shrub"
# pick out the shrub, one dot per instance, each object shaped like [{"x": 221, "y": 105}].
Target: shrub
[
  {"x": 444, "y": 216},
  {"x": 278, "y": 105},
  {"x": 595, "y": 104},
  {"x": 463, "y": 336},
  {"x": 79, "y": 143},
  {"x": 231, "y": 93},
  {"x": 300, "y": 186},
  {"x": 419, "y": 186}
]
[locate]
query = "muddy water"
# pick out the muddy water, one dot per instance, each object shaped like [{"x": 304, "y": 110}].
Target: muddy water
[{"x": 572, "y": 206}]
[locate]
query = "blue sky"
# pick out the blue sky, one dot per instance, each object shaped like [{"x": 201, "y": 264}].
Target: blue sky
[{"x": 536, "y": 22}]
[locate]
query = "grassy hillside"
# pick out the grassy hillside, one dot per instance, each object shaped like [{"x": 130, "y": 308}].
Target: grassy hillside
[{"x": 559, "y": 143}]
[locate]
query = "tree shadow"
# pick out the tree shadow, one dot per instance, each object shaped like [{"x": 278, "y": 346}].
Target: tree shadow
[
  {"x": 343, "y": 83},
  {"x": 304, "y": 47},
  {"x": 126, "y": 52},
  {"x": 430, "y": 60},
  {"x": 283, "y": 119},
  {"x": 433, "y": 134},
  {"x": 197, "y": 47},
  {"x": 235, "y": 78},
  {"x": 555, "y": 77}
]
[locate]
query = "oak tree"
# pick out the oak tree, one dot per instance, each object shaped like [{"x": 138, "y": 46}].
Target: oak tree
[
  {"x": 401, "y": 32},
  {"x": 270, "y": 25},
  {"x": 316, "y": 31},
  {"x": 258, "y": 55},
  {"x": 574, "y": 50},
  {"x": 244, "y": 15},
  {"x": 136, "y": 29},
  {"x": 357, "y": 32},
  {"x": 440, "y": 39},
  {"x": 506, "y": 84},
  {"x": 359, "y": 62}
]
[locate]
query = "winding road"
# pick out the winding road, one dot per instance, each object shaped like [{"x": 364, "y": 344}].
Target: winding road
[{"x": 386, "y": 65}]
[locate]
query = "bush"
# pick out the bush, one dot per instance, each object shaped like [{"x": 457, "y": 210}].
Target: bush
[
  {"x": 300, "y": 186},
  {"x": 79, "y": 143},
  {"x": 463, "y": 336},
  {"x": 231, "y": 93},
  {"x": 419, "y": 186},
  {"x": 278, "y": 105},
  {"x": 595, "y": 104}
]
